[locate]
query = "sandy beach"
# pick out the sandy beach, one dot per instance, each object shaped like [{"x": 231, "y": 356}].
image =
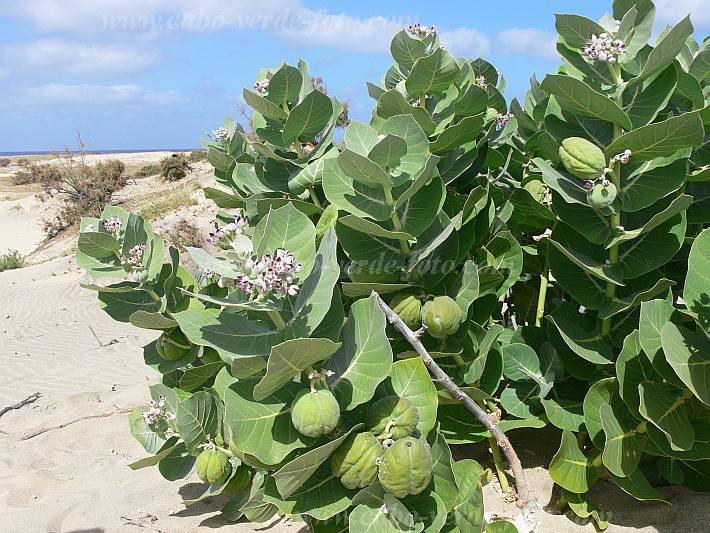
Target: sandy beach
[{"x": 73, "y": 475}]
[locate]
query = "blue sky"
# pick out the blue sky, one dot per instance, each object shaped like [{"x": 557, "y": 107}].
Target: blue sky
[{"x": 149, "y": 74}]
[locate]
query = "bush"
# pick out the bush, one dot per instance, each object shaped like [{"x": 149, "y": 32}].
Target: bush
[
  {"x": 83, "y": 189},
  {"x": 197, "y": 155},
  {"x": 173, "y": 168},
  {"x": 560, "y": 311},
  {"x": 147, "y": 171},
  {"x": 37, "y": 173},
  {"x": 12, "y": 260},
  {"x": 5, "y": 161}
]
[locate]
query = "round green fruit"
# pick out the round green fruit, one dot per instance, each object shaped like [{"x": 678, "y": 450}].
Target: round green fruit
[
  {"x": 355, "y": 461},
  {"x": 409, "y": 308},
  {"x": 240, "y": 480},
  {"x": 393, "y": 408},
  {"x": 406, "y": 467},
  {"x": 582, "y": 158},
  {"x": 441, "y": 317},
  {"x": 172, "y": 345},
  {"x": 315, "y": 413},
  {"x": 601, "y": 195},
  {"x": 213, "y": 466}
]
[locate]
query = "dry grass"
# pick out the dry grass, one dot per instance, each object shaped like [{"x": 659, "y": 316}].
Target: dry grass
[{"x": 172, "y": 202}]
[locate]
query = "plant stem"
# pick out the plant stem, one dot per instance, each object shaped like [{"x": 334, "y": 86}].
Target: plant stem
[
  {"x": 542, "y": 295},
  {"x": 447, "y": 383},
  {"x": 500, "y": 470},
  {"x": 299, "y": 149},
  {"x": 314, "y": 197},
  {"x": 616, "y": 216},
  {"x": 395, "y": 219},
  {"x": 275, "y": 317}
]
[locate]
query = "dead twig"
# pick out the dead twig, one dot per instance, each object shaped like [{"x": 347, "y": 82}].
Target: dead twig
[
  {"x": 30, "y": 399},
  {"x": 33, "y": 434},
  {"x": 445, "y": 380},
  {"x": 140, "y": 522},
  {"x": 109, "y": 343}
]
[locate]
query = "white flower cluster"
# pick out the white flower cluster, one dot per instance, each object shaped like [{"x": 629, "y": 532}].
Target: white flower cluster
[
  {"x": 421, "y": 31},
  {"x": 481, "y": 82},
  {"x": 417, "y": 102},
  {"x": 157, "y": 412},
  {"x": 135, "y": 256},
  {"x": 112, "y": 224},
  {"x": 624, "y": 157},
  {"x": 241, "y": 221},
  {"x": 604, "y": 48},
  {"x": 262, "y": 87},
  {"x": 221, "y": 133},
  {"x": 503, "y": 120},
  {"x": 270, "y": 273},
  {"x": 207, "y": 273}
]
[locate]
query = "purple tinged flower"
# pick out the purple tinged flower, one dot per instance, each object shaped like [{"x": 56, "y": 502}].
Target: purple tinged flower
[{"x": 221, "y": 133}]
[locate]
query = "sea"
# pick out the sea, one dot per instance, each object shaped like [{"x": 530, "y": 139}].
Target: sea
[{"x": 6, "y": 154}]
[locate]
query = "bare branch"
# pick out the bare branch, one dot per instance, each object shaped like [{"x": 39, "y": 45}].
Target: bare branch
[
  {"x": 30, "y": 399},
  {"x": 445, "y": 380}
]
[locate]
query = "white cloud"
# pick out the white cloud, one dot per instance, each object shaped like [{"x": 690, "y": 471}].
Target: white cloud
[
  {"x": 343, "y": 32},
  {"x": 531, "y": 42},
  {"x": 94, "y": 95},
  {"x": 672, "y": 11},
  {"x": 467, "y": 42},
  {"x": 55, "y": 57}
]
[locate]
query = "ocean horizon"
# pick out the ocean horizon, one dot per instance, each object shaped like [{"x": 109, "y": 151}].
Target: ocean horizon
[{"x": 50, "y": 152}]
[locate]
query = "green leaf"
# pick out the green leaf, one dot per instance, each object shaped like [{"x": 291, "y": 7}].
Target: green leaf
[
  {"x": 98, "y": 244},
  {"x": 290, "y": 358},
  {"x": 617, "y": 305},
  {"x": 643, "y": 185},
  {"x": 263, "y": 429},
  {"x": 688, "y": 354},
  {"x": 151, "y": 438},
  {"x": 198, "y": 418},
  {"x": 468, "y": 508},
  {"x": 637, "y": 485},
  {"x": 467, "y": 287},
  {"x": 501, "y": 526},
  {"x": 456, "y": 135},
  {"x": 366, "y": 226},
  {"x": 564, "y": 414},
  {"x": 583, "y": 508},
  {"x": 520, "y": 362},
  {"x": 167, "y": 449},
  {"x": 295, "y": 473},
  {"x": 528, "y": 211},
  {"x": 308, "y": 118},
  {"x": 570, "y": 468},
  {"x": 443, "y": 480},
  {"x": 322, "y": 496},
  {"x": 418, "y": 212},
  {"x": 568, "y": 187},
  {"x": 678, "y": 205},
  {"x": 362, "y": 169},
  {"x": 668, "y": 412},
  {"x": 388, "y": 152},
  {"x": 696, "y": 292},
  {"x": 432, "y": 74},
  {"x": 669, "y": 47},
  {"x": 410, "y": 379},
  {"x": 313, "y": 302},
  {"x": 264, "y": 106},
  {"x": 289, "y": 229},
  {"x": 145, "y": 320},
  {"x": 661, "y": 139},
  {"x": 517, "y": 397},
  {"x": 632, "y": 368},
  {"x": 368, "y": 249},
  {"x": 579, "y": 98},
  {"x": 219, "y": 265},
  {"x": 353, "y": 196},
  {"x": 589, "y": 345},
  {"x": 392, "y": 103},
  {"x": 576, "y": 29},
  {"x": 597, "y": 269},
  {"x": 406, "y": 50},
  {"x": 643, "y": 99},
  {"x": 285, "y": 85},
  {"x": 603, "y": 391},
  {"x": 245, "y": 305},
  {"x": 365, "y": 357},
  {"x": 229, "y": 333},
  {"x": 414, "y": 161},
  {"x": 121, "y": 305},
  {"x": 654, "y": 315},
  {"x": 624, "y": 445}
]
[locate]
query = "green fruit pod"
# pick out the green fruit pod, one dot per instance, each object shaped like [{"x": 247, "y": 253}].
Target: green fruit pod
[
  {"x": 355, "y": 461},
  {"x": 393, "y": 408},
  {"x": 582, "y": 158},
  {"x": 213, "y": 466},
  {"x": 315, "y": 413},
  {"x": 600, "y": 195},
  {"x": 240, "y": 480},
  {"x": 409, "y": 308},
  {"x": 172, "y": 345},
  {"x": 441, "y": 317},
  {"x": 406, "y": 467}
]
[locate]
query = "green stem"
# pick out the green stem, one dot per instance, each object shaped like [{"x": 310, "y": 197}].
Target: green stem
[
  {"x": 641, "y": 428},
  {"x": 560, "y": 505},
  {"x": 616, "y": 216},
  {"x": 500, "y": 471},
  {"x": 542, "y": 295},
  {"x": 597, "y": 461},
  {"x": 459, "y": 360},
  {"x": 299, "y": 149},
  {"x": 275, "y": 316},
  {"x": 314, "y": 197},
  {"x": 395, "y": 219}
]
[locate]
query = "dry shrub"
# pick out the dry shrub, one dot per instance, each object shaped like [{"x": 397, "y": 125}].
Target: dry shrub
[{"x": 173, "y": 168}]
